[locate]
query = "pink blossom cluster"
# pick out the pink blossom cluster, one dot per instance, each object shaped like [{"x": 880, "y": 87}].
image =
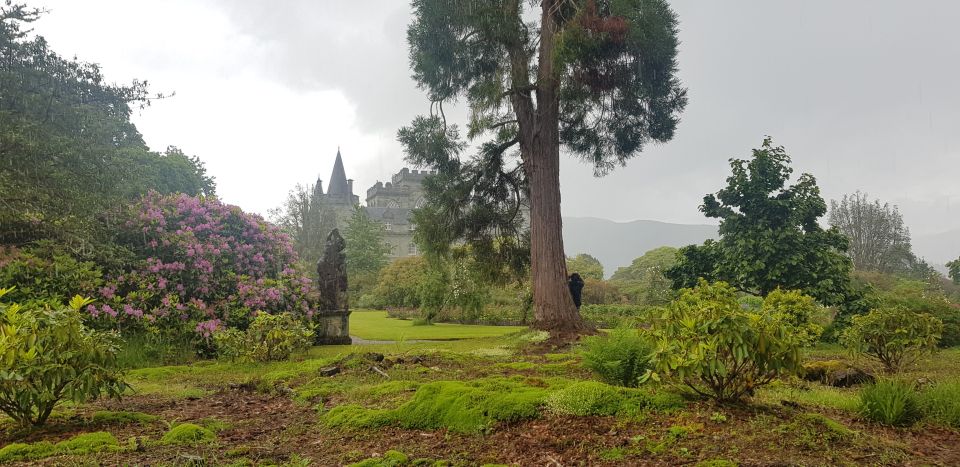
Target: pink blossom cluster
[{"x": 202, "y": 262}]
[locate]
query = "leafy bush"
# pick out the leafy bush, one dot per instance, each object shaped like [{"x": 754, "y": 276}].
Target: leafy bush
[
  {"x": 620, "y": 357},
  {"x": 200, "y": 261},
  {"x": 269, "y": 338},
  {"x": 44, "y": 272},
  {"x": 893, "y": 336},
  {"x": 795, "y": 309},
  {"x": 890, "y": 402},
  {"x": 47, "y": 355},
  {"x": 612, "y": 316},
  {"x": 708, "y": 342},
  {"x": 941, "y": 403}
]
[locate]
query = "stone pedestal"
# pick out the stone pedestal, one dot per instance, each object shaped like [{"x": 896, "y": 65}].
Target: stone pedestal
[{"x": 333, "y": 327}]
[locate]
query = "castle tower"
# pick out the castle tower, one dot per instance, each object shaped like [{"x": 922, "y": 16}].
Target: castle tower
[{"x": 339, "y": 196}]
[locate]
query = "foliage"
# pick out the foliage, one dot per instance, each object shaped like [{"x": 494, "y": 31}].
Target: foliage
[
  {"x": 307, "y": 220},
  {"x": 45, "y": 271},
  {"x": 187, "y": 434},
  {"x": 85, "y": 443},
  {"x": 878, "y": 239},
  {"x": 893, "y": 336},
  {"x": 68, "y": 151},
  {"x": 954, "y": 268},
  {"x": 643, "y": 281},
  {"x": 587, "y": 266},
  {"x": 941, "y": 402},
  {"x": 366, "y": 250},
  {"x": 399, "y": 282},
  {"x": 620, "y": 357},
  {"x": 47, "y": 355},
  {"x": 890, "y": 402},
  {"x": 600, "y": 292},
  {"x": 707, "y": 342},
  {"x": 769, "y": 234},
  {"x": 920, "y": 297},
  {"x": 200, "y": 265},
  {"x": 613, "y": 315},
  {"x": 795, "y": 309},
  {"x": 270, "y": 337},
  {"x": 598, "y": 81}
]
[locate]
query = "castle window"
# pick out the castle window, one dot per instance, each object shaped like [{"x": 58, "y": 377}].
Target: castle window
[
  {"x": 412, "y": 227},
  {"x": 388, "y": 227},
  {"x": 412, "y": 249}
]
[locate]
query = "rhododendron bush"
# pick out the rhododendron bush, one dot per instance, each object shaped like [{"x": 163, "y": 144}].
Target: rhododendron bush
[{"x": 201, "y": 265}]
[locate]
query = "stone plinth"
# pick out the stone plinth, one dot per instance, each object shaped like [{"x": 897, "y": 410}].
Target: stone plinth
[{"x": 333, "y": 327}]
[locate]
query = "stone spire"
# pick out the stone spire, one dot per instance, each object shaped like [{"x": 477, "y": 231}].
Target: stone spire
[
  {"x": 338, "y": 179},
  {"x": 318, "y": 188}
]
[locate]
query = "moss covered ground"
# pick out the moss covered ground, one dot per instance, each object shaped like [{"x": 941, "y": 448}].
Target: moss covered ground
[{"x": 485, "y": 400}]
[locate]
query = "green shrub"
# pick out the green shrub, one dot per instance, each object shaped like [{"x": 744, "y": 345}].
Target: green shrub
[
  {"x": 47, "y": 355},
  {"x": 709, "y": 343},
  {"x": 24, "y": 451},
  {"x": 187, "y": 434},
  {"x": 893, "y": 336},
  {"x": 941, "y": 403},
  {"x": 269, "y": 338},
  {"x": 617, "y": 315},
  {"x": 795, "y": 309},
  {"x": 585, "y": 398},
  {"x": 620, "y": 357},
  {"x": 890, "y": 402},
  {"x": 44, "y": 272}
]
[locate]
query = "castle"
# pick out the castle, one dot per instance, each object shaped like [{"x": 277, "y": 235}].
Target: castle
[{"x": 389, "y": 203}]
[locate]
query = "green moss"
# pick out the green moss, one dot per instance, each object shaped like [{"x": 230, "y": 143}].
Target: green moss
[
  {"x": 465, "y": 407},
  {"x": 391, "y": 388},
  {"x": 81, "y": 444},
  {"x": 122, "y": 418},
  {"x": 586, "y": 398},
  {"x": 89, "y": 442},
  {"x": 24, "y": 451},
  {"x": 187, "y": 434},
  {"x": 357, "y": 417},
  {"x": 519, "y": 366},
  {"x": 613, "y": 454},
  {"x": 389, "y": 459},
  {"x": 812, "y": 431},
  {"x": 716, "y": 463}
]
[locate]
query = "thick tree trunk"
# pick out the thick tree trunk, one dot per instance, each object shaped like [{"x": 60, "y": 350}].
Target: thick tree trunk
[{"x": 553, "y": 306}]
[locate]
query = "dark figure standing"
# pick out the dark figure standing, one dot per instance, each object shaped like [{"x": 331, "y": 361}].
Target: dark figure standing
[{"x": 576, "y": 288}]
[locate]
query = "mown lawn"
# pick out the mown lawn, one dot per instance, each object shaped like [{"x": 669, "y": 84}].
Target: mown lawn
[{"x": 376, "y": 326}]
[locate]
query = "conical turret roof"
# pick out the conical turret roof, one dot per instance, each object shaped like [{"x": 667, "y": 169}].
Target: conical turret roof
[{"x": 338, "y": 179}]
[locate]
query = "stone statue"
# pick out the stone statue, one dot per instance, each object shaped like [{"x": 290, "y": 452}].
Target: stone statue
[
  {"x": 333, "y": 317},
  {"x": 332, "y": 269}
]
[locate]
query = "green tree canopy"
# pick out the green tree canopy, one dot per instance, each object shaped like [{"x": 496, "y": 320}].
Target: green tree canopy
[
  {"x": 69, "y": 154},
  {"x": 643, "y": 280},
  {"x": 657, "y": 259},
  {"x": 597, "y": 77},
  {"x": 954, "y": 268},
  {"x": 587, "y": 266},
  {"x": 769, "y": 234},
  {"x": 307, "y": 220},
  {"x": 366, "y": 249}
]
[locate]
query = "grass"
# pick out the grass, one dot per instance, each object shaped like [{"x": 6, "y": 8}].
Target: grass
[{"x": 376, "y": 326}]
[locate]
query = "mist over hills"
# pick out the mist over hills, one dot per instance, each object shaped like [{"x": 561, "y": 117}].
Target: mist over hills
[
  {"x": 939, "y": 248},
  {"x": 616, "y": 244}
]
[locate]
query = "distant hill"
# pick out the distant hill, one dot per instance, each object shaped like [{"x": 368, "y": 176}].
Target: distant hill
[
  {"x": 616, "y": 244},
  {"x": 937, "y": 248}
]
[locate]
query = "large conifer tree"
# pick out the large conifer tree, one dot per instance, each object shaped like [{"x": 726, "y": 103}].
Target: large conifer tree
[{"x": 594, "y": 76}]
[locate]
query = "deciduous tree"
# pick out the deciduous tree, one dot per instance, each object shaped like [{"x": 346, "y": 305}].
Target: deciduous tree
[
  {"x": 596, "y": 77},
  {"x": 770, "y": 236},
  {"x": 587, "y": 266}
]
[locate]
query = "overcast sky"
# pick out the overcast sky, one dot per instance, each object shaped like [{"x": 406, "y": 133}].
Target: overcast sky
[{"x": 864, "y": 94}]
